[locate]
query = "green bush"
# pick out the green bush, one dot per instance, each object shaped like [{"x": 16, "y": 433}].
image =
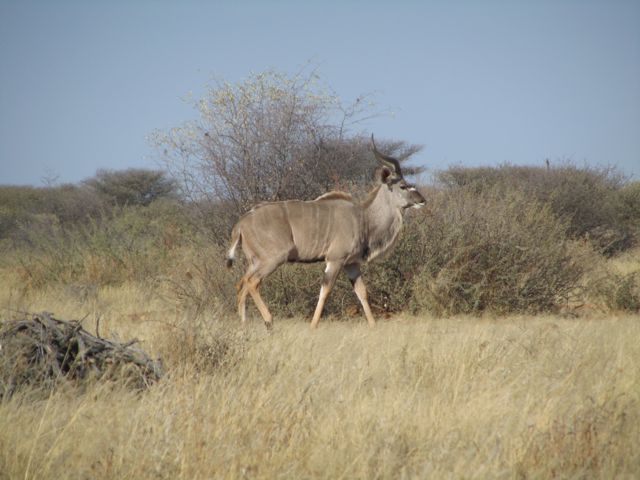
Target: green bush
[
  {"x": 630, "y": 205},
  {"x": 493, "y": 251},
  {"x": 17, "y": 205},
  {"x": 618, "y": 292},
  {"x": 626, "y": 296},
  {"x": 10, "y": 220},
  {"x": 133, "y": 186},
  {"x": 598, "y": 203},
  {"x": 390, "y": 280}
]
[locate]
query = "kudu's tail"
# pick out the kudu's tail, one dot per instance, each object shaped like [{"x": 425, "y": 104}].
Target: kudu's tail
[{"x": 236, "y": 239}]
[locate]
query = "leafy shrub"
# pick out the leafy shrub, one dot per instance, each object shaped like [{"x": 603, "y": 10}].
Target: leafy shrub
[
  {"x": 616, "y": 291},
  {"x": 71, "y": 204},
  {"x": 630, "y": 205},
  {"x": 22, "y": 199},
  {"x": 390, "y": 280},
  {"x": 627, "y": 293},
  {"x": 9, "y": 221},
  {"x": 597, "y": 203},
  {"x": 493, "y": 251},
  {"x": 132, "y": 186}
]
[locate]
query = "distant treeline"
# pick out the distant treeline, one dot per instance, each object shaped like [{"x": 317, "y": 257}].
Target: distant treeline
[{"x": 74, "y": 203}]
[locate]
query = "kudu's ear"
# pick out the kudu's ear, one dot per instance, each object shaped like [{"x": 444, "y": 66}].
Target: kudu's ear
[{"x": 386, "y": 175}]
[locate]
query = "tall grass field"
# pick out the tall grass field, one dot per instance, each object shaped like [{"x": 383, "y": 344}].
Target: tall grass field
[{"x": 416, "y": 397}]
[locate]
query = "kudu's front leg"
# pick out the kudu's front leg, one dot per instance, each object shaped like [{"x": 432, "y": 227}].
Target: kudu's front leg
[{"x": 328, "y": 281}]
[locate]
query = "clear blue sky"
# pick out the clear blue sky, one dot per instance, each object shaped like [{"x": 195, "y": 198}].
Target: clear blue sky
[{"x": 476, "y": 82}]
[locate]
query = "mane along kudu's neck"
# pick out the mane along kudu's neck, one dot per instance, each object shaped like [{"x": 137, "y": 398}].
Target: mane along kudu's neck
[{"x": 383, "y": 222}]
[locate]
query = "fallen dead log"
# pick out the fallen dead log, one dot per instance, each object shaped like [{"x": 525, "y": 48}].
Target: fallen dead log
[{"x": 42, "y": 350}]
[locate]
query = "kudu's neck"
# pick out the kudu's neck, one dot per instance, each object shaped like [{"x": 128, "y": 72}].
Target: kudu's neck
[{"x": 383, "y": 221}]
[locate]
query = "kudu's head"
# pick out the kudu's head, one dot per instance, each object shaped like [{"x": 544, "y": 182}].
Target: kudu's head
[{"x": 403, "y": 194}]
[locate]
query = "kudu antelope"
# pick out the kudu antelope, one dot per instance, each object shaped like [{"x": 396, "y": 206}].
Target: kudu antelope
[{"x": 333, "y": 228}]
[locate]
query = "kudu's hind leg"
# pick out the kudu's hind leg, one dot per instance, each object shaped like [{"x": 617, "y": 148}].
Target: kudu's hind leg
[
  {"x": 243, "y": 290},
  {"x": 253, "y": 285},
  {"x": 353, "y": 272},
  {"x": 329, "y": 280},
  {"x": 242, "y": 300}
]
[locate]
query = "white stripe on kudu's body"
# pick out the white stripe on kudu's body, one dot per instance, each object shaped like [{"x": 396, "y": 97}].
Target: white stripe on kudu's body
[{"x": 333, "y": 228}]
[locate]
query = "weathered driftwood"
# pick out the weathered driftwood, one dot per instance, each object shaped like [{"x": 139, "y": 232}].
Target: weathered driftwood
[{"x": 42, "y": 350}]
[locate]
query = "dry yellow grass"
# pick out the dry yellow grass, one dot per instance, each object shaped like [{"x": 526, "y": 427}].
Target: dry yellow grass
[{"x": 521, "y": 397}]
